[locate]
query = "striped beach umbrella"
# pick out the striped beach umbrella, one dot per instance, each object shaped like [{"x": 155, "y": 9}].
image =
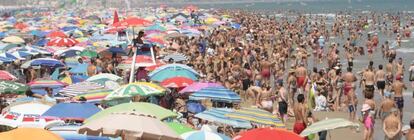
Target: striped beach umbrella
[
  {"x": 176, "y": 82},
  {"x": 217, "y": 115},
  {"x": 39, "y": 86},
  {"x": 137, "y": 88},
  {"x": 328, "y": 124},
  {"x": 47, "y": 62},
  {"x": 204, "y": 135},
  {"x": 268, "y": 133},
  {"x": 173, "y": 70},
  {"x": 175, "y": 57},
  {"x": 25, "y": 115},
  {"x": 62, "y": 42},
  {"x": 257, "y": 116},
  {"x": 80, "y": 88},
  {"x": 198, "y": 86},
  {"x": 216, "y": 94},
  {"x": 12, "y": 87}
]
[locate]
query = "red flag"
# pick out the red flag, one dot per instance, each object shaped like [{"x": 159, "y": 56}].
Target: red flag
[{"x": 116, "y": 18}]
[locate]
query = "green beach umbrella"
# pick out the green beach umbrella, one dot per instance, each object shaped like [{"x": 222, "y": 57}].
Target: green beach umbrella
[
  {"x": 139, "y": 107},
  {"x": 89, "y": 53},
  {"x": 137, "y": 88},
  {"x": 179, "y": 128},
  {"x": 13, "y": 87}
]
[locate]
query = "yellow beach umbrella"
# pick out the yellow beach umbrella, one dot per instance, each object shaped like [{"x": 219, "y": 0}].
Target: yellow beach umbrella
[{"x": 13, "y": 39}]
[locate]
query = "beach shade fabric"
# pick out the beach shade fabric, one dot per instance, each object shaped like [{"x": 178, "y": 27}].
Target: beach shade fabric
[
  {"x": 39, "y": 86},
  {"x": 141, "y": 61},
  {"x": 204, "y": 135},
  {"x": 268, "y": 134},
  {"x": 29, "y": 134},
  {"x": 76, "y": 111},
  {"x": 132, "y": 22},
  {"x": 4, "y": 75},
  {"x": 89, "y": 53},
  {"x": 62, "y": 42},
  {"x": 137, "y": 88},
  {"x": 198, "y": 86},
  {"x": 129, "y": 125},
  {"x": 12, "y": 87},
  {"x": 55, "y": 34},
  {"x": 175, "y": 57},
  {"x": 256, "y": 115},
  {"x": 13, "y": 39},
  {"x": 100, "y": 76},
  {"x": 179, "y": 128},
  {"x": 216, "y": 94},
  {"x": 70, "y": 132},
  {"x": 176, "y": 82},
  {"x": 173, "y": 70},
  {"x": 80, "y": 88},
  {"x": 328, "y": 124},
  {"x": 195, "y": 107},
  {"x": 217, "y": 115},
  {"x": 27, "y": 115},
  {"x": 139, "y": 107},
  {"x": 46, "y": 62}
]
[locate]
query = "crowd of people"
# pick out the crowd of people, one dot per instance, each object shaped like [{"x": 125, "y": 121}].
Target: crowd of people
[{"x": 290, "y": 66}]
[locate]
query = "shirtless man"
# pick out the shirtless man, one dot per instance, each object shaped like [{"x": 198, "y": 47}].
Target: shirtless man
[
  {"x": 380, "y": 80},
  {"x": 389, "y": 69},
  {"x": 370, "y": 47},
  {"x": 410, "y": 134},
  {"x": 398, "y": 87},
  {"x": 300, "y": 113},
  {"x": 369, "y": 79},
  {"x": 265, "y": 65},
  {"x": 392, "y": 126},
  {"x": 301, "y": 77},
  {"x": 264, "y": 99},
  {"x": 400, "y": 68},
  {"x": 349, "y": 80},
  {"x": 386, "y": 105}
]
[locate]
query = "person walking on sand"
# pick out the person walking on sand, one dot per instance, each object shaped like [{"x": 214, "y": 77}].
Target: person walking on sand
[
  {"x": 380, "y": 80},
  {"x": 368, "y": 121},
  {"x": 392, "y": 126},
  {"x": 398, "y": 87},
  {"x": 300, "y": 113},
  {"x": 386, "y": 105},
  {"x": 301, "y": 78}
]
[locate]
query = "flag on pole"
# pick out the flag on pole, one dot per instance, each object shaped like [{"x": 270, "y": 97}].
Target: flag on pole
[{"x": 116, "y": 18}]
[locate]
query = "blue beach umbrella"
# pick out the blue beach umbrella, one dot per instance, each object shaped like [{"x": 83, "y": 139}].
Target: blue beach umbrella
[
  {"x": 221, "y": 94},
  {"x": 173, "y": 70},
  {"x": 217, "y": 115},
  {"x": 78, "y": 111}
]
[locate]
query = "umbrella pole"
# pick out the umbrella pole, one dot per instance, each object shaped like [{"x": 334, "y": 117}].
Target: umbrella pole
[{"x": 131, "y": 75}]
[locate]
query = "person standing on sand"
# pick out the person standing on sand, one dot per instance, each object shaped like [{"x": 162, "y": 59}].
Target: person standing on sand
[
  {"x": 380, "y": 80},
  {"x": 301, "y": 77},
  {"x": 410, "y": 134},
  {"x": 300, "y": 113},
  {"x": 389, "y": 69},
  {"x": 368, "y": 121},
  {"x": 349, "y": 79},
  {"x": 398, "y": 87},
  {"x": 411, "y": 78},
  {"x": 282, "y": 100},
  {"x": 400, "y": 68},
  {"x": 368, "y": 77},
  {"x": 386, "y": 105},
  {"x": 392, "y": 126}
]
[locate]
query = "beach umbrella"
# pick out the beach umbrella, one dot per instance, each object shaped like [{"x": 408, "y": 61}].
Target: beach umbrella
[
  {"x": 39, "y": 86},
  {"x": 179, "y": 128},
  {"x": 38, "y": 33},
  {"x": 176, "y": 82},
  {"x": 80, "y": 88},
  {"x": 109, "y": 76},
  {"x": 74, "y": 111},
  {"x": 195, "y": 107},
  {"x": 29, "y": 134},
  {"x": 89, "y": 53},
  {"x": 21, "y": 54},
  {"x": 141, "y": 61},
  {"x": 156, "y": 27},
  {"x": 4, "y": 60},
  {"x": 129, "y": 125},
  {"x": 107, "y": 83},
  {"x": 26, "y": 115},
  {"x": 173, "y": 70},
  {"x": 156, "y": 41},
  {"x": 5, "y": 75},
  {"x": 175, "y": 35},
  {"x": 217, "y": 115},
  {"x": 175, "y": 57},
  {"x": 140, "y": 107},
  {"x": 13, "y": 39},
  {"x": 47, "y": 62},
  {"x": 69, "y": 52},
  {"x": 268, "y": 134},
  {"x": 328, "y": 124},
  {"x": 216, "y": 94},
  {"x": 6, "y": 47},
  {"x": 198, "y": 86},
  {"x": 257, "y": 116},
  {"x": 12, "y": 87},
  {"x": 204, "y": 135},
  {"x": 55, "y": 34},
  {"x": 133, "y": 22},
  {"x": 61, "y": 42},
  {"x": 137, "y": 88},
  {"x": 8, "y": 55},
  {"x": 70, "y": 132}
]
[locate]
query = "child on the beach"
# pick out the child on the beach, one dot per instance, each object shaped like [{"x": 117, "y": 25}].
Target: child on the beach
[{"x": 352, "y": 101}]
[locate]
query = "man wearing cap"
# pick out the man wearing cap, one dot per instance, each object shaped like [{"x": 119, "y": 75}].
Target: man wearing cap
[
  {"x": 398, "y": 87},
  {"x": 386, "y": 105},
  {"x": 392, "y": 126}
]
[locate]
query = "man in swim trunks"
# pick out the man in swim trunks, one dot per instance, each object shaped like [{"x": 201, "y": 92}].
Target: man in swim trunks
[
  {"x": 386, "y": 105},
  {"x": 300, "y": 113},
  {"x": 301, "y": 77},
  {"x": 368, "y": 78},
  {"x": 398, "y": 87},
  {"x": 349, "y": 79},
  {"x": 380, "y": 80},
  {"x": 392, "y": 126},
  {"x": 389, "y": 69}
]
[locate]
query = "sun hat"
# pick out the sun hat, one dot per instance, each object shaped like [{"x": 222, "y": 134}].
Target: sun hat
[{"x": 365, "y": 107}]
